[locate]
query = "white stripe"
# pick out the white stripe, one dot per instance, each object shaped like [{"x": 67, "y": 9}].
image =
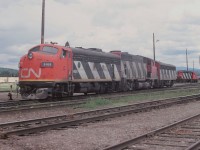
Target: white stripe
[
  {"x": 135, "y": 68},
  {"x": 170, "y": 74},
  {"x": 130, "y": 75},
  {"x": 160, "y": 74},
  {"x": 184, "y": 76},
  {"x": 94, "y": 70},
  {"x": 167, "y": 74},
  {"x": 141, "y": 70},
  {"x": 105, "y": 71},
  {"x": 81, "y": 70},
  {"x": 145, "y": 69},
  {"x": 190, "y": 75},
  {"x": 174, "y": 74},
  {"x": 163, "y": 74},
  {"x": 122, "y": 68},
  {"x": 117, "y": 76},
  {"x": 187, "y": 75}
]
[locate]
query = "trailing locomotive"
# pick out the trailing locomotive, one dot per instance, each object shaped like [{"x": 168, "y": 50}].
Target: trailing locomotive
[
  {"x": 53, "y": 70},
  {"x": 184, "y": 76}
]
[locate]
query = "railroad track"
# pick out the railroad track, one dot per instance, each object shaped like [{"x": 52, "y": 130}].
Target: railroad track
[
  {"x": 71, "y": 101},
  {"x": 36, "y": 103},
  {"x": 184, "y": 134},
  {"x": 38, "y": 125},
  {"x": 22, "y": 101}
]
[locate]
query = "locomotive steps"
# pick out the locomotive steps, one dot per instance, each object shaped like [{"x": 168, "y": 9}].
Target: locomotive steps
[{"x": 71, "y": 120}]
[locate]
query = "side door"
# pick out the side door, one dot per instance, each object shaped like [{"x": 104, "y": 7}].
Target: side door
[{"x": 65, "y": 59}]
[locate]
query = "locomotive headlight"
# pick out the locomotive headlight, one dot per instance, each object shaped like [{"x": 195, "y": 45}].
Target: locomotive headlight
[
  {"x": 47, "y": 64},
  {"x": 30, "y": 55}
]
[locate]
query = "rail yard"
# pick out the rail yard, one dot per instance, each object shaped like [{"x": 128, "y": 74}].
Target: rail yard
[
  {"x": 108, "y": 75},
  {"x": 108, "y": 126}
]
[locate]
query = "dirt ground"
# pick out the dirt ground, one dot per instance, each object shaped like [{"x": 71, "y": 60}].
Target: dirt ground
[
  {"x": 99, "y": 135},
  {"x": 4, "y": 96}
]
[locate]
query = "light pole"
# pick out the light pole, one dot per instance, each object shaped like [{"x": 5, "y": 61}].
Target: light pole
[
  {"x": 43, "y": 19},
  {"x": 186, "y": 59},
  {"x": 154, "y": 48},
  {"x": 193, "y": 65}
]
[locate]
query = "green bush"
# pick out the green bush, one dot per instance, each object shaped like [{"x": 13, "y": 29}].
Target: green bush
[{"x": 6, "y": 87}]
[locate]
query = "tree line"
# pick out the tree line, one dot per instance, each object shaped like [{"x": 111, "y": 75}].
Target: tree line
[{"x": 4, "y": 72}]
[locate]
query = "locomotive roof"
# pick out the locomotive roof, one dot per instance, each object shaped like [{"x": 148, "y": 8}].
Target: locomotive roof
[
  {"x": 93, "y": 52},
  {"x": 164, "y": 64},
  {"x": 127, "y": 56}
]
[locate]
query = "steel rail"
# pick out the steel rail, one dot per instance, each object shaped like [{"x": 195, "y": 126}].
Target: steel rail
[
  {"x": 21, "y": 105},
  {"x": 84, "y": 117},
  {"x": 96, "y": 95},
  {"x": 195, "y": 146},
  {"x": 126, "y": 144},
  {"x": 41, "y": 105}
]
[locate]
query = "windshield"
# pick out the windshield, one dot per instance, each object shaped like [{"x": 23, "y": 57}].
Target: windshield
[
  {"x": 35, "y": 49},
  {"x": 49, "y": 50}
]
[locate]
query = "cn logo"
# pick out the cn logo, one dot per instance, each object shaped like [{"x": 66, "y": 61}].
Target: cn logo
[{"x": 26, "y": 73}]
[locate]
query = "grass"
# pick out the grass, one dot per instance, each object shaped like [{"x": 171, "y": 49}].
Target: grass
[
  {"x": 96, "y": 102},
  {"x": 5, "y": 87},
  {"x": 99, "y": 102}
]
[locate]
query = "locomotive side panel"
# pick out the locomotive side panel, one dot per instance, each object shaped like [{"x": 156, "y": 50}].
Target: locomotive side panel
[
  {"x": 167, "y": 74},
  {"x": 95, "y": 71},
  {"x": 95, "y": 66},
  {"x": 133, "y": 67}
]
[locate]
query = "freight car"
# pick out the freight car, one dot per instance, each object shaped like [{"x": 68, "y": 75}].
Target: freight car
[
  {"x": 184, "y": 76},
  {"x": 53, "y": 70}
]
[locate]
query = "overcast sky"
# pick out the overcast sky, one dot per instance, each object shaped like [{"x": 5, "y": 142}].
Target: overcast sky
[{"x": 125, "y": 25}]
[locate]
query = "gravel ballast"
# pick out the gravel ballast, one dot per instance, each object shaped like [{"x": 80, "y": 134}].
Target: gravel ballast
[{"x": 96, "y": 136}]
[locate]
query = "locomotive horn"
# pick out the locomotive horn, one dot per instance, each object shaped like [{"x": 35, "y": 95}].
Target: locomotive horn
[{"x": 67, "y": 44}]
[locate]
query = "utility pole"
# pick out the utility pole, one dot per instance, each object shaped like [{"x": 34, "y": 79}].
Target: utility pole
[
  {"x": 43, "y": 18},
  {"x": 154, "y": 48},
  {"x": 199, "y": 60},
  {"x": 193, "y": 65},
  {"x": 186, "y": 59}
]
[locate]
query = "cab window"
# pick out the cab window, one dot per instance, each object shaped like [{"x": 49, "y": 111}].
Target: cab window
[
  {"x": 64, "y": 53},
  {"x": 35, "y": 49},
  {"x": 49, "y": 50}
]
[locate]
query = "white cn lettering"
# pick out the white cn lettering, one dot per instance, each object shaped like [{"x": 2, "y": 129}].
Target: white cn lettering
[{"x": 26, "y": 73}]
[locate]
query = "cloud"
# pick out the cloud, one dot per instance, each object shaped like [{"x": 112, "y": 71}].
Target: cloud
[
  {"x": 110, "y": 25},
  {"x": 175, "y": 52},
  {"x": 67, "y": 1}
]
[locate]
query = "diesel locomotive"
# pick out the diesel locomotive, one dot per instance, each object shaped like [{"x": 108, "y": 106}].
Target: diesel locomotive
[
  {"x": 57, "y": 71},
  {"x": 184, "y": 76}
]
